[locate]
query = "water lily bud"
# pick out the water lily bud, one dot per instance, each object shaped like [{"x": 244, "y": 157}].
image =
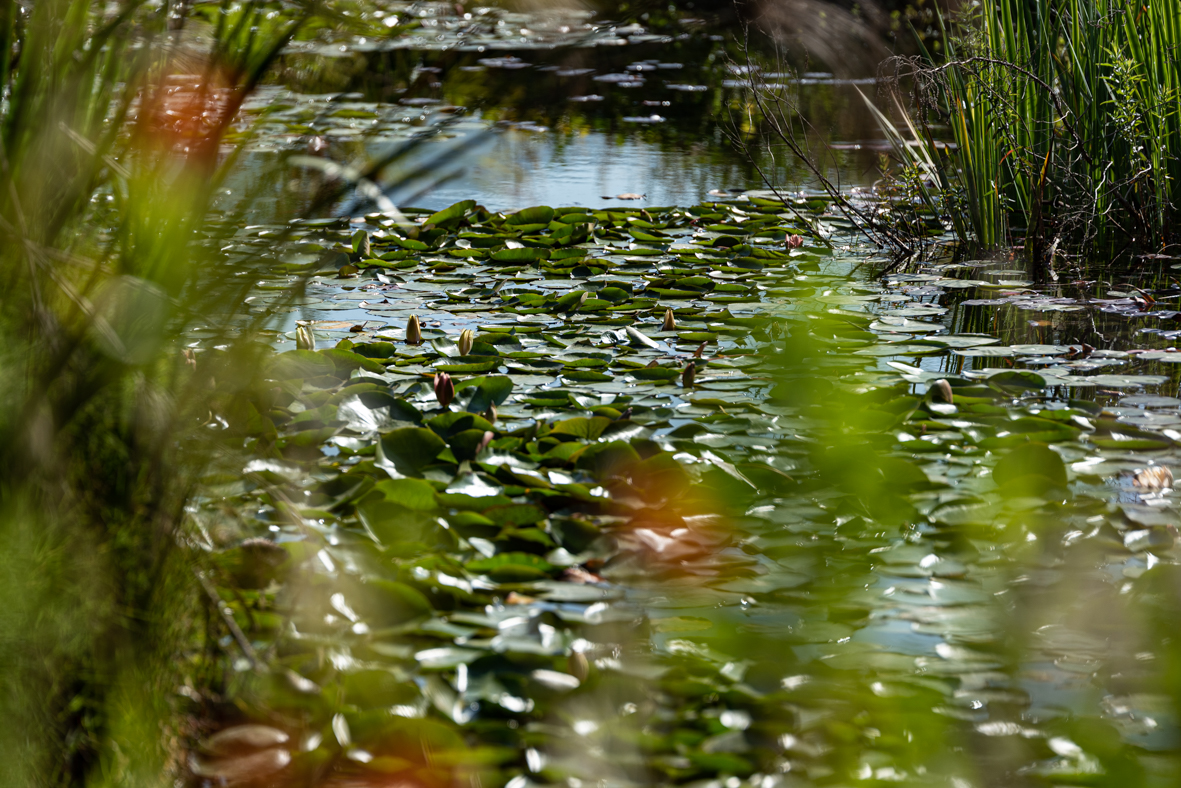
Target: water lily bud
[
  {"x": 413, "y": 331},
  {"x": 670, "y": 322},
  {"x": 490, "y": 414},
  {"x": 484, "y": 441},
  {"x": 361, "y": 243},
  {"x": 444, "y": 389},
  {"x": 689, "y": 375},
  {"x": 304, "y": 339},
  {"x": 941, "y": 391},
  {"x": 794, "y": 241},
  {"x": 579, "y": 666},
  {"x": 466, "y": 340}
]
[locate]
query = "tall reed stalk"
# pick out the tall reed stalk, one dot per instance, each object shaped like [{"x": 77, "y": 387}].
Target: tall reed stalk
[
  {"x": 109, "y": 162},
  {"x": 1067, "y": 118}
]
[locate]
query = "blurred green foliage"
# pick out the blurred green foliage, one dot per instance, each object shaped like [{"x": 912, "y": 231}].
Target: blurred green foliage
[{"x": 109, "y": 161}]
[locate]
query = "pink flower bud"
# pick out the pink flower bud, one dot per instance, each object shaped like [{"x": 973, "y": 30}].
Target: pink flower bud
[{"x": 444, "y": 389}]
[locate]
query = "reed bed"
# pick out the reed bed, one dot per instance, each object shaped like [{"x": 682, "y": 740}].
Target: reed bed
[{"x": 1066, "y": 115}]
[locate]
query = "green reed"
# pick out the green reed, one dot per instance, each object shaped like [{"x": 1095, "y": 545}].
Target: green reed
[
  {"x": 1067, "y": 118},
  {"x": 108, "y": 171}
]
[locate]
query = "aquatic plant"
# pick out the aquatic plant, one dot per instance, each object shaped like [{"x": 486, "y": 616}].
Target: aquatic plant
[
  {"x": 816, "y": 527},
  {"x": 1067, "y": 122},
  {"x": 110, "y": 162}
]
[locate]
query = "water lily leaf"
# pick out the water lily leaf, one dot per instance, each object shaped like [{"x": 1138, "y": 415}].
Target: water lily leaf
[
  {"x": 486, "y": 392},
  {"x": 517, "y": 514},
  {"x": 887, "y": 349},
  {"x": 451, "y": 217},
  {"x": 606, "y": 459},
  {"x": 413, "y": 494},
  {"x": 1017, "y": 381},
  {"x": 959, "y": 341},
  {"x": 1111, "y": 434},
  {"x": 587, "y": 363},
  {"x": 453, "y": 422},
  {"x": 1030, "y": 470},
  {"x": 590, "y": 429},
  {"x": 904, "y": 325},
  {"x": 525, "y": 255},
  {"x": 615, "y": 295},
  {"x": 664, "y": 292},
  {"x": 472, "y": 368},
  {"x": 466, "y": 444},
  {"x": 346, "y": 360},
  {"x": 377, "y": 350},
  {"x": 1040, "y": 350},
  {"x": 376, "y": 411},
  {"x": 655, "y": 373},
  {"x": 586, "y": 376},
  {"x": 409, "y": 450},
  {"x": 513, "y": 567},
  {"x": 387, "y": 603},
  {"x": 446, "y": 657},
  {"x": 541, "y": 214},
  {"x": 638, "y": 338},
  {"x": 410, "y": 244},
  {"x": 1125, "y": 381},
  {"x": 377, "y": 688},
  {"x": 985, "y": 352},
  {"x": 471, "y": 491}
]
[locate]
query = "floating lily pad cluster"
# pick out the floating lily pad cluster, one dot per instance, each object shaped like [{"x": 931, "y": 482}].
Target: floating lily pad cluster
[{"x": 554, "y": 555}]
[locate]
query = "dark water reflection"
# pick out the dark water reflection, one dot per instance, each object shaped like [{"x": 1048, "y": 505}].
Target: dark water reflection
[{"x": 567, "y": 126}]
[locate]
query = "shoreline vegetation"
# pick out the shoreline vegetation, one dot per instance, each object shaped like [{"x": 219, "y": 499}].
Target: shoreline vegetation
[
  {"x": 1066, "y": 119},
  {"x": 624, "y": 471}
]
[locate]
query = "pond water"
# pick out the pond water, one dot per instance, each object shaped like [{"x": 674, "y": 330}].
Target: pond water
[
  {"x": 571, "y": 126},
  {"x": 743, "y": 514}
]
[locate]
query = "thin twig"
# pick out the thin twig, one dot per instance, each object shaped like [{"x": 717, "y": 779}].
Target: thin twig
[{"x": 235, "y": 630}]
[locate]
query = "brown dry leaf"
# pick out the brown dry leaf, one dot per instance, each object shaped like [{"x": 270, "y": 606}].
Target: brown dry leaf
[
  {"x": 576, "y": 574},
  {"x": 238, "y": 769},
  {"x": 1154, "y": 477},
  {"x": 245, "y": 737}
]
